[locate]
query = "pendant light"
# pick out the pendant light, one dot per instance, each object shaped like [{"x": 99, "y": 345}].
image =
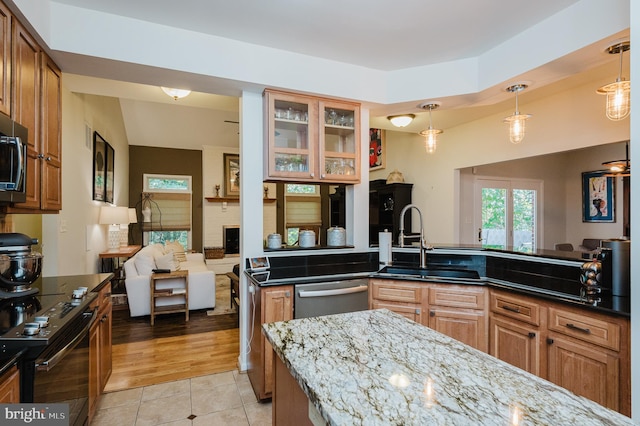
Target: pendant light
[
  {"x": 431, "y": 134},
  {"x": 620, "y": 167},
  {"x": 619, "y": 92},
  {"x": 517, "y": 120},
  {"x": 401, "y": 120}
]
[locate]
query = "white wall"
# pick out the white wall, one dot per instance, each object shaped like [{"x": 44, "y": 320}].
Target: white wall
[{"x": 72, "y": 239}]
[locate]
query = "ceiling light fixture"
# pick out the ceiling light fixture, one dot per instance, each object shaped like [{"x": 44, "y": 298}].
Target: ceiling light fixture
[
  {"x": 176, "y": 93},
  {"x": 620, "y": 167},
  {"x": 619, "y": 92},
  {"x": 431, "y": 134},
  {"x": 402, "y": 120},
  {"x": 517, "y": 120}
]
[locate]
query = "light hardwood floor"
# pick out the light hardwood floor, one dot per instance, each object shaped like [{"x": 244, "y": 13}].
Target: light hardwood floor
[{"x": 173, "y": 358}]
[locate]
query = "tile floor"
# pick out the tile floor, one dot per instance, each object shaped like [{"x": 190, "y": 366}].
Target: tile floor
[{"x": 217, "y": 399}]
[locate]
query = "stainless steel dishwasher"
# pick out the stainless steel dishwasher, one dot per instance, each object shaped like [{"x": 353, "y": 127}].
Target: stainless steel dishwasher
[{"x": 334, "y": 297}]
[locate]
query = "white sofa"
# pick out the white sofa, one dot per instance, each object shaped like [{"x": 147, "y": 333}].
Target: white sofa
[{"x": 137, "y": 269}]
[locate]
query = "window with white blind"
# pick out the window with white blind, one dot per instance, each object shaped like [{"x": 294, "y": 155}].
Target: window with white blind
[
  {"x": 302, "y": 210},
  {"x": 166, "y": 209}
]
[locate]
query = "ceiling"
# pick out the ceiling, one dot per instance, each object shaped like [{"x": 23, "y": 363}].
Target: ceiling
[{"x": 372, "y": 34}]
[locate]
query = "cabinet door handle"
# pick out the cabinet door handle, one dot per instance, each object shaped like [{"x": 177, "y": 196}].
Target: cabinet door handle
[
  {"x": 511, "y": 309},
  {"x": 418, "y": 311},
  {"x": 104, "y": 318},
  {"x": 40, "y": 156},
  {"x": 432, "y": 313},
  {"x": 549, "y": 341},
  {"x": 532, "y": 334},
  {"x": 47, "y": 159},
  {"x": 287, "y": 294},
  {"x": 311, "y": 174},
  {"x": 575, "y": 327}
]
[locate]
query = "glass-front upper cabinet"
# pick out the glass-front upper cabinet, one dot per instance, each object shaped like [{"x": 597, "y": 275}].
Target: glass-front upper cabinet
[
  {"x": 311, "y": 139},
  {"x": 339, "y": 148}
]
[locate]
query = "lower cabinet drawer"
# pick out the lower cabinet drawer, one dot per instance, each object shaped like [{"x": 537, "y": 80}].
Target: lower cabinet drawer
[
  {"x": 587, "y": 328},
  {"x": 457, "y": 296},
  {"x": 395, "y": 291},
  {"x": 518, "y": 307}
]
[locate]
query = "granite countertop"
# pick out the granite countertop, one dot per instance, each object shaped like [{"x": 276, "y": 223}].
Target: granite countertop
[{"x": 379, "y": 368}]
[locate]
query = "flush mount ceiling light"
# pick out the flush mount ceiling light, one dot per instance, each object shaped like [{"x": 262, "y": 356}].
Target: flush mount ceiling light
[
  {"x": 401, "y": 120},
  {"x": 517, "y": 120},
  {"x": 431, "y": 134},
  {"x": 619, "y": 92},
  {"x": 175, "y": 93}
]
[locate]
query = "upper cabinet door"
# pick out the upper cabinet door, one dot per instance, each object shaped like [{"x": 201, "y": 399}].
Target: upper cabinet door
[
  {"x": 339, "y": 142},
  {"x": 291, "y": 145},
  {"x": 310, "y": 139},
  {"x": 5, "y": 57}
]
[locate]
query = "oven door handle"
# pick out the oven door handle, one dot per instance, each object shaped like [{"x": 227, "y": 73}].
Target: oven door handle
[
  {"x": 48, "y": 364},
  {"x": 336, "y": 292}
]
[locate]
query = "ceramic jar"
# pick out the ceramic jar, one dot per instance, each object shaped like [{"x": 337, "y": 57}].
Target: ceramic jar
[
  {"x": 274, "y": 241},
  {"x": 336, "y": 236},
  {"x": 307, "y": 239}
]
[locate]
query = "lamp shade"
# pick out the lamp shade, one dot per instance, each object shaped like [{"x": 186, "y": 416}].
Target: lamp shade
[
  {"x": 133, "y": 217},
  {"x": 114, "y": 215}
]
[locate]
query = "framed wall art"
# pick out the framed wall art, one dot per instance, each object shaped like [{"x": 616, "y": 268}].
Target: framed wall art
[
  {"x": 231, "y": 175},
  {"x": 598, "y": 197},
  {"x": 99, "y": 167},
  {"x": 377, "y": 152},
  {"x": 109, "y": 175}
]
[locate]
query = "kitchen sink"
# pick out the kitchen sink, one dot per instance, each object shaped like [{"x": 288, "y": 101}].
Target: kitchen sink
[{"x": 430, "y": 272}]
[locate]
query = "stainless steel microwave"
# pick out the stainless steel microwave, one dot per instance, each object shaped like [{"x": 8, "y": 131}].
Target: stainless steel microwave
[{"x": 13, "y": 161}]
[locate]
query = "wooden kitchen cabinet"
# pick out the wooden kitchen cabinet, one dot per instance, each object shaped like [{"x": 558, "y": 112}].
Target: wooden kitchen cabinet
[
  {"x": 589, "y": 355},
  {"x": 10, "y": 386},
  {"x": 402, "y": 297},
  {"x": 460, "y": 312},
  {"x": 36, "y": 103},
  {"x": 100, "y": 345},
  {"x": 311, "y": 139},
  {"x": 5, "y": 56},
  {"x": 514, "y": 331},
  {"x": 271, "y": 304}
]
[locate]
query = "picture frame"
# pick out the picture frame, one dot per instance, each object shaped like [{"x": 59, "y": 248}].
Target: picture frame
[
  {"x": 231, "y": 175},
  {"x": 377, "y": 151},
  {"x": 598, "y": 197},
  {"x": 109, "y": 177},
  {"x": 259, "y": 263},
  {"x": 99, "y": 167}
]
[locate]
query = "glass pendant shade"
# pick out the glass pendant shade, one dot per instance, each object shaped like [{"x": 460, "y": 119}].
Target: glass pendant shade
[
  {"x": 430, "y": 139},
  {"x": 516, "y": 121},
  {"x": 618, "y": 99},
  {"x": 618, "y": 93},
  {"x": 431, "y": 134},
  {"x": 516, "y": 126}
]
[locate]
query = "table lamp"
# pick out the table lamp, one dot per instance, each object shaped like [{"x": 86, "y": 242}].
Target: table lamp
[{"x": 114, "y": 217}]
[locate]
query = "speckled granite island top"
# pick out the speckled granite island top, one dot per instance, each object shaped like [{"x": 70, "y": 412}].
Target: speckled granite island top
[{"x": 378, "y": 368}]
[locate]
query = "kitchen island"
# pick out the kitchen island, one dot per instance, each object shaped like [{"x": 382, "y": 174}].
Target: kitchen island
[{"x": 377, "y": 367}]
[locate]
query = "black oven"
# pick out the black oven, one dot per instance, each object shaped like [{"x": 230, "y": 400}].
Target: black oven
[
  {"x": 53, "y": 332},
  {"x": 13, "y": 161}
]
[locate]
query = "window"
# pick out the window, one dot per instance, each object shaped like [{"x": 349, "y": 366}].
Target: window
[
  {"x": 167, "y": 201},
  {"x": 507, "y": 214},
  {"x": 302, "y": 210}
]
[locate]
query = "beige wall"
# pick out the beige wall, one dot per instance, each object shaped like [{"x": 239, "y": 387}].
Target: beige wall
[
  {"x": 568, "y": 120},
  {"x": 72, "y": 239}
]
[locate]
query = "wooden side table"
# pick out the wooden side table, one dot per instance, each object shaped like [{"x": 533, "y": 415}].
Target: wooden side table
[
  {"x": 110, "y": 260},
  {"x": 168, "y": 292}
]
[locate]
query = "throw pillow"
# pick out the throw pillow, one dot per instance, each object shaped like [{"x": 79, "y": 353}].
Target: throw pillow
[
  {"x": 144, "y": 263},
  {"x": 167, "y": 261},
  {"x": 177, "y": 249}
]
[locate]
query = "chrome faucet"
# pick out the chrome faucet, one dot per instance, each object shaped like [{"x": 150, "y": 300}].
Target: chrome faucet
[{"x": 423, "y": 245}]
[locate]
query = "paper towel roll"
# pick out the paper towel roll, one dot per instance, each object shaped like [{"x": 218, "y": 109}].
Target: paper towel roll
[{"x": 385, "y": 241}]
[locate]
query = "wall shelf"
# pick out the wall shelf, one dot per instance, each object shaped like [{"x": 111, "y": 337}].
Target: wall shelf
[{"x": 234, "y": 199}]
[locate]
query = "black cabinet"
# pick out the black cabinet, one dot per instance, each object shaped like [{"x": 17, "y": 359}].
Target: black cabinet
[{"x": 385, "y": 203}]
